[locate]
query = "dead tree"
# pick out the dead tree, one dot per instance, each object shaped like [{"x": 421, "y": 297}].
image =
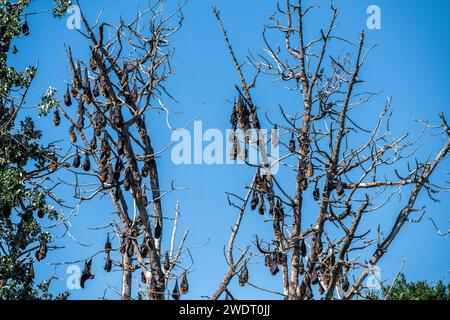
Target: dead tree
[
  {"x": 346, "y": 180},
  {"x": 106, "y": 103}
]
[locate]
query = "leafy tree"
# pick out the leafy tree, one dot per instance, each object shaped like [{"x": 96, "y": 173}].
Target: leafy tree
[
  {"x": 24, "y": 167},
  {"x": 420, "y": 290}
]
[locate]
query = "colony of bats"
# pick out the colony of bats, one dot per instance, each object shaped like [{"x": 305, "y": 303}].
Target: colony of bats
[{"x": 111, "y": 143}]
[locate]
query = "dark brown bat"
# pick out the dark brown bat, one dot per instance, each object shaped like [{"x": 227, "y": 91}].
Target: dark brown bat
[
  {"x": 73, "y": 137},
  {"x": 184, "y": 286},
  {"x": 166, "y": 261},
  {"x": 255, "y": 200},
  {"x": 339, "y": 188},
  {"x": 176, "y": 291},
  {"x": 243, "y": 276},
  {"x": 41, "y": 253},
  {"x": 303, "y": 248},
  {"x": 291, "y": 146},
  {"x": 76, "y": 160},
  {"x": 108, "y": 245},
  {"x": 56, "y": 118},
  {"x": 87, "y": 273},
  {"x": 316, "y": 193},
  {"x": 274, "y": 266},
  {"x": 67, "y": 99},
  {"x": 262, "y": 206},
  {"x": 158, "y": 230},
  {"x": 31, "y": 270},
  {"x": 25, "y": 28},
  {"x": 108, "y": 263},
  {"x": 86, "y": 163}
]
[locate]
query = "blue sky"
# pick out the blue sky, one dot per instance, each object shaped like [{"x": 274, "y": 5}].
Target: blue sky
[{"x": 410, "y": 63}]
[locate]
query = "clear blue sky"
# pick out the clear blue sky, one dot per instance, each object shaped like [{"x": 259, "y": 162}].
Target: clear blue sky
[{"x": 410, "y": 63}]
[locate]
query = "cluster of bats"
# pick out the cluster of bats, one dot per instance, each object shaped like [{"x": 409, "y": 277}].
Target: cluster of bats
[
  {"x": 263, "y": 189},
  {"x": 245, "y": 119},
  {"x": 88, "y": 94}
]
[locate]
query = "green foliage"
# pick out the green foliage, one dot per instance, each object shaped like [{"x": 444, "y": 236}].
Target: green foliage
[
  {"x": 61, "y": 7},
  {"x": 12, "y": 22},
  {"x": 420, "y": 290},
  {"x": 47, "y": 102},
  {"x": 23, "y": 163}
]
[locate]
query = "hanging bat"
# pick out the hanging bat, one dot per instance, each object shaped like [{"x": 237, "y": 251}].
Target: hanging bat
[
  {"x": 310, "y": 170},
  {"x": 243, "y": 276},
  {"x": 144, "y": 248},
  {"x": 110, "y": 179},
  {"x": 291, "y": 146},
  {"x": 80, "y": 122},
  {"x": 255, "y": 200},
  {"x": 145, "y": 170},
  {"x": 274, "y": 266},
  {"x": 6, "y": 210},
  {"x": 158, "y": 230},
  {"x": 234, "y": 117},
  {"x": 318, "y": 248},
  {"x": 87, "y": 273},
  {"x": 301, "y": 267},
  {"x": 105, "y": 147},
  {"x": 40, "y": 214},
  {"x": 93, "y": 63},
  {"x": 267, "y": 260},
  {"x": 108, "y": 263},
  {"x": 339, "y": 188},
  {"x": 96, "y": 90},
  {"x": 25, "y": 28},
  {"x": 86, "y": 163},
  {"x": 234, "y": 149},
  {"x": 303, "y": 248},
  {"x": 316, "y": 193},
  {"x": 255, "y": 120},
  {"x": 279, "y": 210},
  {"x": 124, "y": 77},
  {"x": 134, "y": 94},
  {"x": 166, "y": 261},
  {"x": 74, "y": 90},
  {"x": 31, "y": 270},
  {"x": 41, "y": 253},
  {"x": 276, "y": 228},
  {"x": 126, "y": 181},
  {"x": 120, "y": 148},
  {"x": 87, "y": 87},
  {"x": 94, "y": 142},
  {"x": 184, "y": 284},
  {"x": 73, "y": 137},
  {"x": 314, "y": 277},
  {"x": 281, "y": 258},
  {"x": 345, "y": 285},
  {"x": 262, "y": 206},
  {"x": 76, "y": 160},
  {"x": 67, "y": 99},
  {"x": 108, "y": 245},
  {"x": 176, "y": 291},
  {"x": 78, "y": 76}
]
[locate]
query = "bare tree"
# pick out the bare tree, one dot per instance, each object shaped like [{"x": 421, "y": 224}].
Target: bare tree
[
  {"x": 346, "y": 179},
  {"x": 112, "y": 153}
]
